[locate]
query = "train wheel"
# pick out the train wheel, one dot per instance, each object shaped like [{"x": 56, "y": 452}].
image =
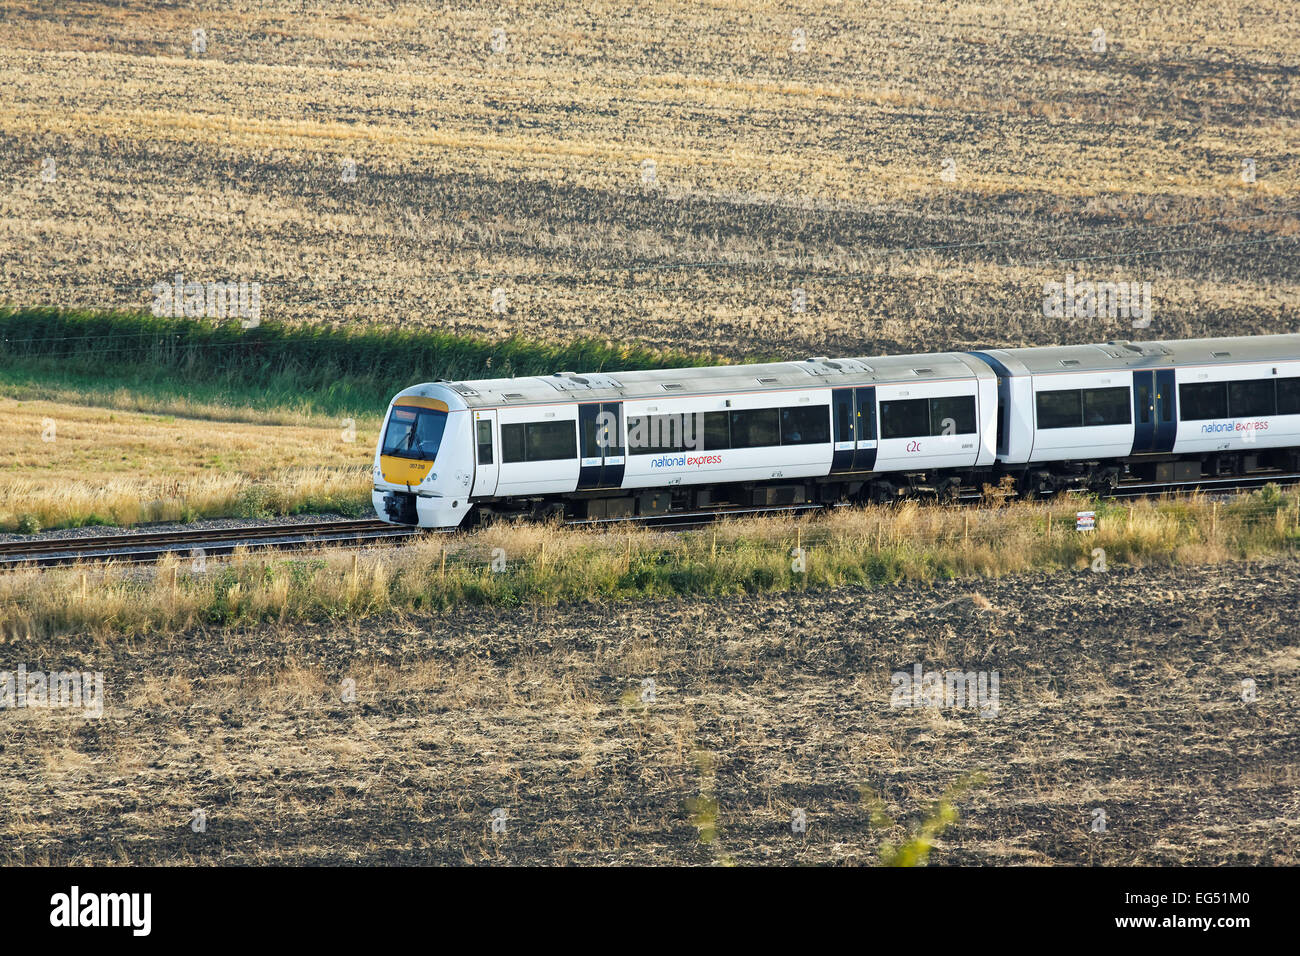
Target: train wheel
[
  {"x": 1105, "y": 482},
  {"x": 1040, "y": 484},
  {"x": 949, "y": 489},
  {"x": 882, "y": 493}
]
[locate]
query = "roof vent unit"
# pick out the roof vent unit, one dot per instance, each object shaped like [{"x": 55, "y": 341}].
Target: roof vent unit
[
  {"x": 464, "y": 389},
  {"x": 1069, "y": 363},
  {"x": 922, "y": 371},
  {"x": 821, "y": 365},
  {"x": 671, "y": 386},
  {"x": 769, "y": 381},
  {"x": 1221, "y": 354},
  {"x": 572, "y": 377},
  {"x": 513, "y": 396}
]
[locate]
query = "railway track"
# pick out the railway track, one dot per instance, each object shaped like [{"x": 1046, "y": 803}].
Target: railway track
[{"x": 147, "y": 547}]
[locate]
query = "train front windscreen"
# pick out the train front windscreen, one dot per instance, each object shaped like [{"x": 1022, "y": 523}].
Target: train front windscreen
[{"x": 414, "y": 432}]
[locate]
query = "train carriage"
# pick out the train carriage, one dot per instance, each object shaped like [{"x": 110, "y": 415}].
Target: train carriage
[
  {"x": 1170, "y": 412},
  {"x": 605, "y": 446}
]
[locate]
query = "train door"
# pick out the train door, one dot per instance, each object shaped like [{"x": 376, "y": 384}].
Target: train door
[
  {"x": 1155, "y": 410},
  {"x": 1166, "y": 413},
  {"x": 865, "y": 421},
  {"x": 853, "y": 414},
  {"x": 486, "y": 457},
  {"x": 843, "y": 418},
  {"x": 600, "y": 445},
  {"x": 1144, "y": 411}
]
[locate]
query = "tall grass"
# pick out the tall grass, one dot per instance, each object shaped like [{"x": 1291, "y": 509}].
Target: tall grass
[
  {"x": 29, "y": 505},
  {"x": 520, "y": 564},
  {"x": 323, "y": 369}
]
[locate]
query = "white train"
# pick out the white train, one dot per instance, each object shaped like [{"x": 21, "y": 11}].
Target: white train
[{"x": 610, "y": 446}]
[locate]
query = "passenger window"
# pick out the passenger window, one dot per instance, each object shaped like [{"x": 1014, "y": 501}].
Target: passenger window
[
  {"x": 805, "y": 425},
  {"x": 485, "y": 442},
  {"x": 1288, "y": 396},
  {"x": 717, "y": 431},
  {"x": 550, "y": 441},
  {"x": 1253, "y": 399},
  {"x": 755, "y": 428},
  {"x": 1060, "y": 408},
  {"x": 1201, "y": 400},
  {"x": 512, "y": 444},
  {"x": 1144, "y": 404},
  {"x": 952, "y": 415},
  {"x": 1107, "y": 406},
  {"x": 906, "y": 418}
]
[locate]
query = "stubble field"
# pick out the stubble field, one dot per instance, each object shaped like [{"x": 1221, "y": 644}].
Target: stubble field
[
  {"x": 918, "y": 170},
  {"x": 692, "y": 732}
]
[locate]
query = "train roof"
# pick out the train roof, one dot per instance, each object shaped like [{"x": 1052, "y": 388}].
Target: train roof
[
  {"x": 818, "y": 372},
  {"x": 822, "y": 372},
  {"x": 1122, "y": 355}
]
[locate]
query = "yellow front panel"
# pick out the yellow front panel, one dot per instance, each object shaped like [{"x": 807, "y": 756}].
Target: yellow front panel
[
  {"x": 403, "y": 471},
  {"x": 417, "y": 401}
]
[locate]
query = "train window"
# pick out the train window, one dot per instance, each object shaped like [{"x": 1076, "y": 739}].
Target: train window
[
  {"x": 755, "y": 428},
  {"x": 414, "y": 432},
  {"x": 1252, "y": 399},
  {"x": 717, "y": 431},
  {"x": 1288, "y": 396},
  {"x": 1144, "y": 404},
  {"x": 844, "y": 416},
  {"x": 1107, "y": 406},
  {"x": 484, "y": 442},
  {"x": 658, "y": 434},
  {"x": 512, "y": 444},
  {"x": 610, "y": 430},
  {"x": 805, "y": 425},
  {"x": 538, "y": 441},
  {"x": 905, "y": 418},
  {"x": 1201, "y": 400},
  {"x": 550, "y": 441},
  {"x": 1002, "y": 423},
  {"x": 1062, "y": 408},
  {"x": 866, "y": 414},
  {"x": 952, "y": 415},
  {"x": 589, "y": 437}
]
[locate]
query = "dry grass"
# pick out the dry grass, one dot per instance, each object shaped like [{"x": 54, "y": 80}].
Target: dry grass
[
  {"x": 65, "y": 463},
  {"x": 523, "y": 565}
]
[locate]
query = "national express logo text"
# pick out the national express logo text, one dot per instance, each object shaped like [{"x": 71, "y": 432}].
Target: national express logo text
[
  {"x": 1215, "y": 428},
  {"x": 685, "y": 461}
]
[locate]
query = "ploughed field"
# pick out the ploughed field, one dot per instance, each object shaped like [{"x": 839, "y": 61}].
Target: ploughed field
[
  {"x": 862, "y": 178},
  {"x": 1118, "y": 692}
]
